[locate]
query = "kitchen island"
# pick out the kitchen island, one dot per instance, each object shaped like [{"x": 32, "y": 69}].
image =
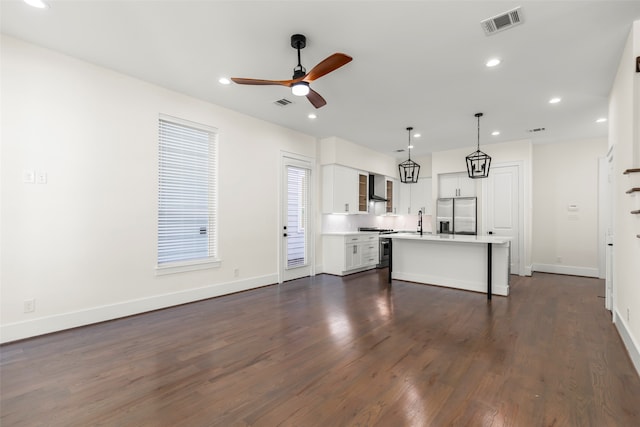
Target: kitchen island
[{"x": 473, "y": 263}]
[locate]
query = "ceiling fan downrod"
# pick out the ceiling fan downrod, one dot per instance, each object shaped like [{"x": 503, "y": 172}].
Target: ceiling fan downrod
[{"x": 298, "y": 41}]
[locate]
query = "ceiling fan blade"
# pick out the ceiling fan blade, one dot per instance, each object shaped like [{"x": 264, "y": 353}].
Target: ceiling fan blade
[
  {"x": 242, "y": 81},
  {"x": 326, "y": 66},
  {"x": 316, "y": 99}
]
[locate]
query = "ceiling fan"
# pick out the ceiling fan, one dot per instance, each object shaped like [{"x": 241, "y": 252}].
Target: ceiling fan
[{"x": 299, "y": 83}]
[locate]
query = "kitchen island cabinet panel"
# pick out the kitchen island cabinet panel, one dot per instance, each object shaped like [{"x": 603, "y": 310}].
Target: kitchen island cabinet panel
[{"x": 454, "y": 261}]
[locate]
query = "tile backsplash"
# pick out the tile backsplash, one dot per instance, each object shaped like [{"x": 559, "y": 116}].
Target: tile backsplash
[{"x": 335, "y": 223}]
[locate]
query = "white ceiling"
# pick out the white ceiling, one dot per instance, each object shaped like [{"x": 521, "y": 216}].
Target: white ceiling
[{"x": 415, "y": 63}]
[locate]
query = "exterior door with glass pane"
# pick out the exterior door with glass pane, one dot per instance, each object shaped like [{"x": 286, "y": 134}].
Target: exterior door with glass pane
[{"x": 296, "y": 226}]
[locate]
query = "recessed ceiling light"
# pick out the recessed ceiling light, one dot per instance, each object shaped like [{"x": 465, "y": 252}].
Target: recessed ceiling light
[
  {"x": 224, "y": 80},
  {"x": 555, "y": 100},
  {"x": 495, "y": 133},
  {"x": 312, "y": 116},
  {"x": 417, "y": 135},
  {"x": 492, "y": 62},
  {"x": 410, "y": 147},
  {"x": 601, "y": 120},
  {"x": 37, "y": 3}
]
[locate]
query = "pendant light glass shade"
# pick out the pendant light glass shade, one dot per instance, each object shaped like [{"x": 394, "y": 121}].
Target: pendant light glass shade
[
  {"x": 478, "y": 163},
  {"x": 409, "y": 170}
]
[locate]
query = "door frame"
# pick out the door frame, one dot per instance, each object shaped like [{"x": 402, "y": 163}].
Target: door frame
[
  {"x": 293, "y": 159},
  {"x": 521, "y": 210}
]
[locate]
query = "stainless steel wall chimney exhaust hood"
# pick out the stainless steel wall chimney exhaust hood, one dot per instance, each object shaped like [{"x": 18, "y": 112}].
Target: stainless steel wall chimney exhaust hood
[{"x": 377, "y": 188}]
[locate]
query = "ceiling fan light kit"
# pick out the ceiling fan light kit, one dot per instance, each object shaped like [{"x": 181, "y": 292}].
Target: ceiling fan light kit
[
  {"x": 300, "y": 81},
  {"x": 300, "y": 89},
  {"x": 478, "y": 163},
  {"x": 409, "y": 170}
]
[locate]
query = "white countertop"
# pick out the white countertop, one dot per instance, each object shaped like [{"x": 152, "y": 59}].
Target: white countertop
[
  {"x": 457, "y": 238},
  {"x": 349, "y": 233}
]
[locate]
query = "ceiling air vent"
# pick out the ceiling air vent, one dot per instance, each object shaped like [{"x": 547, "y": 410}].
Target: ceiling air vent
[
  {"x": 282, "y": 102},
  {"x": 536, "y": 130},
  {"x": 503, "y": 21}
]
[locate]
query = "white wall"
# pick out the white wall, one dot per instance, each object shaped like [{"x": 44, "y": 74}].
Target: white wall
[
  {"x": 566, "y": 174},
  {"x": 84, "y": 244},
  {"x": 346, "y": 153},
  {"x": 624, "y": 137}
]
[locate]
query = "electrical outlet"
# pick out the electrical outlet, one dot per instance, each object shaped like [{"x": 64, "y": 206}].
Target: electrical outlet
[{"x": 30, "y": 305}]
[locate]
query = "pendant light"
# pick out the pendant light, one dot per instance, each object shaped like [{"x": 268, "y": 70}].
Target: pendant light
[
  {"x": 409, "y": 170},
  {"x": 478, "y": 163}
]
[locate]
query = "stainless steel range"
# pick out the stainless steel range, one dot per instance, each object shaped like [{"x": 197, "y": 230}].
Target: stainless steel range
[{"x": 384, "y": 243}]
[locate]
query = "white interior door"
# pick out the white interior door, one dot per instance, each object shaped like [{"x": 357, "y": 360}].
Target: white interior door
[
  {"x": 609, "y": 238},
  {"x": 296, "y": 226},
  {"x": 503, "y": 212}
]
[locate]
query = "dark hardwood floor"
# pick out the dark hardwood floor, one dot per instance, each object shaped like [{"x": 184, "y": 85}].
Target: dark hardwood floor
[{"x": 330, "y": 351}]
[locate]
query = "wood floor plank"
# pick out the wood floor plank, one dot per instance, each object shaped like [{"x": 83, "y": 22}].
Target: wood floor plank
[{"x": 327, "y": 350}]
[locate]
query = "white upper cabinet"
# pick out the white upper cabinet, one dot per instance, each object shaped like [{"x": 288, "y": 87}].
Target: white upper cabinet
[
  {"x": 416, "y": 197},
  {"x": 344, "y": 190},
  {"x": 456, "y": 185},
  {"x": 391, "y": 193},
  {"x": 404, "y": 193},
  {"x": 391, "y": 207}
]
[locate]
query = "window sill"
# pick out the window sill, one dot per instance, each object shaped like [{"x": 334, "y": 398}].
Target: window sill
[{"x": 182, "y": 267}]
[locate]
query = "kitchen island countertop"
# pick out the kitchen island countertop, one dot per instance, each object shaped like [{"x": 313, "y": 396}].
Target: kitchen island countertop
[{"x": 462, "y": 238}]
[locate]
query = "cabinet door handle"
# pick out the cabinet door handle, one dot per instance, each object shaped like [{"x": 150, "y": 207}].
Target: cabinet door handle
[
  {"x": 346, "y": 207},
  {"x": 355, "y": 249}
]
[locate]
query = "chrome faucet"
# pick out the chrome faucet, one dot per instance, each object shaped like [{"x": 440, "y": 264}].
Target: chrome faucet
[{"x": 420, "y": 221}]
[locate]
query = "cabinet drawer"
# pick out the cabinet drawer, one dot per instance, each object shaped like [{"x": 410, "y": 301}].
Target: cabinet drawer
[
  {"x": 361, "y": 238},
  {"x": 369, "y": 248}
]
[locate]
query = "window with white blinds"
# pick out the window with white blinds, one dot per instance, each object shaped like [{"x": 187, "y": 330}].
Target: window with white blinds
[
  {"x": 297, "y": 216},
  {"x": 187, "y": 193}
]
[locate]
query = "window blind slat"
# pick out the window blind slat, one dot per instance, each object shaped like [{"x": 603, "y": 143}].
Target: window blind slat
[{"x": 187, "y": 193}]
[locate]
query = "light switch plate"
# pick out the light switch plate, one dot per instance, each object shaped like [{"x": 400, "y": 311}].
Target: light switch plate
[
  {"x": 41, "y": 177},
  {"x": 28, "y": 176}
]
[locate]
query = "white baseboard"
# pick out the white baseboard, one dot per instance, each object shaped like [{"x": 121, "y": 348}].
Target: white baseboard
[
  {"x": 632, "y": 346},
  {"x": 528, "y": 271},
  {"x": 566, "y": 269},
  {"x": 59, "y": 322}
]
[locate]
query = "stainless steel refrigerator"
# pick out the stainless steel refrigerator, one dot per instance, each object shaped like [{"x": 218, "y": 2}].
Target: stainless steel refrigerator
[{"x": 457, "y": 215}]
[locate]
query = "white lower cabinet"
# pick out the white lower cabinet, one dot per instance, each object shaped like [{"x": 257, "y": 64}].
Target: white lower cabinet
[{"x": 345, "y": 254}]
